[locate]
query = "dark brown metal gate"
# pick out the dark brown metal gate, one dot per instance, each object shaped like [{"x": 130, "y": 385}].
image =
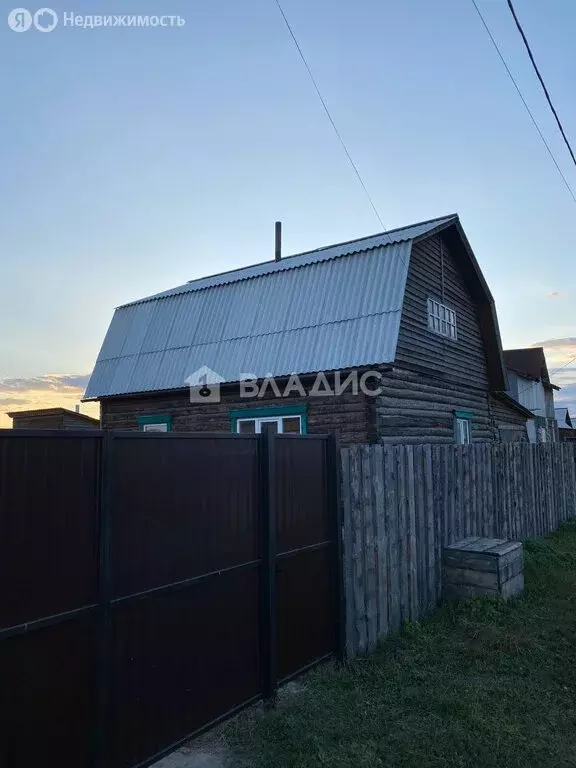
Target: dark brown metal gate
[{"x": 152, "y": 584}]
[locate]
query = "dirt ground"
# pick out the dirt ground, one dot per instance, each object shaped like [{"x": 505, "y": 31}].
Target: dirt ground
[
  {"x": 206, "y": 752},
  {"x": 212, "y": 750}
]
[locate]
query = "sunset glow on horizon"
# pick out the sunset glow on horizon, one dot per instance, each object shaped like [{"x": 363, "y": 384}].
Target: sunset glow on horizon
[{"x": 49, "y": 391}]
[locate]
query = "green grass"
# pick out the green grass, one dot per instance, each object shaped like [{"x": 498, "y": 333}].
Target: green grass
[{"x": 480, "y": 683}]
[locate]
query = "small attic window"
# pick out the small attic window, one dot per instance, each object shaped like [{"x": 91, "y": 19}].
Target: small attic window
[{"x": 441, "y": 319}]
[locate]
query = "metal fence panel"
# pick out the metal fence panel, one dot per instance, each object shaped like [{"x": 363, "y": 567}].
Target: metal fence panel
[
  {"x": 306, "y": 542},
  {"x": 181, "y": 659},
  {"x": 47, "y": 695},
  {"x": 181, "y": 507},
  {"x": 48, "y": 525},
  {"x": 149, "y": 595}
]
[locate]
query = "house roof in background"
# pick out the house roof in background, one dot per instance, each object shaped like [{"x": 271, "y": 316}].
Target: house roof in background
[
  {"x": 530, "y": 363},
  {"x": 329, "y": 309},
  {"x": 563, "y": 418},
  {"x": 40, "y": 412},
  {"x": 505, "y": 398}
]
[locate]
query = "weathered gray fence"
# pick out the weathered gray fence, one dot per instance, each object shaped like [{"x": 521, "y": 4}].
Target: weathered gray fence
[{"x": 402, "y": 504}]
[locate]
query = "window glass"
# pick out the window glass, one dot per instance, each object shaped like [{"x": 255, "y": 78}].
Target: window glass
[
  {"x": 463, "y": 431},
  {"x": 268, "y": 426},
  {"x": 271, "y": 424},
  {"x": 162, "y": 427},
  {"x": 291, "y": 425},
  {"x": 441, "y": 319}
]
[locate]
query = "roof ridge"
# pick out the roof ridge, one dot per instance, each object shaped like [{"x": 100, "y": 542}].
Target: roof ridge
[
  {"x": 326, "y": 247},
  {"x": 376, "y": 234},
  {"x": 523, "y": 349},
  {"x": 286, "y": 263},
  {"x": 50, "y": 411}
]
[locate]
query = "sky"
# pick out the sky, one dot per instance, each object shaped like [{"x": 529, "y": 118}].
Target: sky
[{"x": 135, "y": 159}]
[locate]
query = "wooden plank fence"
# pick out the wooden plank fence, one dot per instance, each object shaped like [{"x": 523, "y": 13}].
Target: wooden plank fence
[{"x": 403, "y": 504}]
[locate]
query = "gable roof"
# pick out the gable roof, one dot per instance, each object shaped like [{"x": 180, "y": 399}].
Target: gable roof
[
  {"x": 530, "y": 363},
  {"x": 563, "y": 418},
  {"x": 332, "y": 308}
]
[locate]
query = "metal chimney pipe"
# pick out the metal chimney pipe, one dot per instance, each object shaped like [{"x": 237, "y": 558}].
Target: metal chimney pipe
[{"x": 278, "y": 241}]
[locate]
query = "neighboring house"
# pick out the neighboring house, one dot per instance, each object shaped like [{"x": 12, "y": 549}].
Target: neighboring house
[
  {"x": 52, "y": 418},
  {"x": 529, "y": 384},
  {"x": 566, "y": 429},
  {"x": 563, "y": 419},
  {"x": 411, "y": 304}
]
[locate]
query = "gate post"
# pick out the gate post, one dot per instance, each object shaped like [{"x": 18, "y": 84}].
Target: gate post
[
  {"x": 334, "y": 479},
  {"x": 268, "y": 621},
  {"x": 103, "y": 658}
]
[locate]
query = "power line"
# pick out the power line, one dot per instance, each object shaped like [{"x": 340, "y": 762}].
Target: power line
[
  {"x": 552, "y": 373},
  {"x": 560, "y": 126},
  {"x": 511, "y": 76},
  {"x": 323, "y": 102},
  {"x": 572, "y": 359}
]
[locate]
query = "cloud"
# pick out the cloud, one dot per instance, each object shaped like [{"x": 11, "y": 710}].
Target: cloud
[
  {"x": 50, "y": 381},
  {"x": 555, "y": 294},
  {"x": 560, "y": 353},
  {"x": 555, "y": 343},
  {"x": 51, "y": 390}
]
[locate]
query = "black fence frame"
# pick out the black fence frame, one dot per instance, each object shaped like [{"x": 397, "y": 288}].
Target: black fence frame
[{"x": 268, "y": 567}]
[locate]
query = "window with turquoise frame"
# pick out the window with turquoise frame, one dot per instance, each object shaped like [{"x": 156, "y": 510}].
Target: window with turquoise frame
[
  {"x": 462, "y": 427},
  {"x": 155, "y": 423},
  {"x": 283, "y": 420}
]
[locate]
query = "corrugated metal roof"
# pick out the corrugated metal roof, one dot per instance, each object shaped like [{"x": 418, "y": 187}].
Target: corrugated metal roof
[{"x": 329, "y": 313}]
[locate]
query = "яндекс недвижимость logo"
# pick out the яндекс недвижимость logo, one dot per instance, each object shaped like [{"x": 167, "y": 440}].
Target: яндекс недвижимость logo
[
  {"x": 46, "y": 19},
  {"x": 21, "y": 20}
]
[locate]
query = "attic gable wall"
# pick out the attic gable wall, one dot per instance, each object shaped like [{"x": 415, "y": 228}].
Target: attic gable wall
[{"x": 435, "y": 273}]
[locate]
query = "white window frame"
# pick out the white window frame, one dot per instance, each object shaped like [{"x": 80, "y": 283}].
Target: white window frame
[
  {"x": 271, "y": 419},
  {"x": 160, "y": 426},
  {"x": 463, "y": 431},
  {"x": 442, "y": 320}
]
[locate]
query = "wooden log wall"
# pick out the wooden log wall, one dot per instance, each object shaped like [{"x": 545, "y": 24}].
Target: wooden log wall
[
  {"x": 403, "y": 504},
  {"x": 416, "y": 408}
]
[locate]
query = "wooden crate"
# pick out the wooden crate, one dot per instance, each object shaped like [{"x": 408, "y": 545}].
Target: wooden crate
[{"x": 479, "y": 567}]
